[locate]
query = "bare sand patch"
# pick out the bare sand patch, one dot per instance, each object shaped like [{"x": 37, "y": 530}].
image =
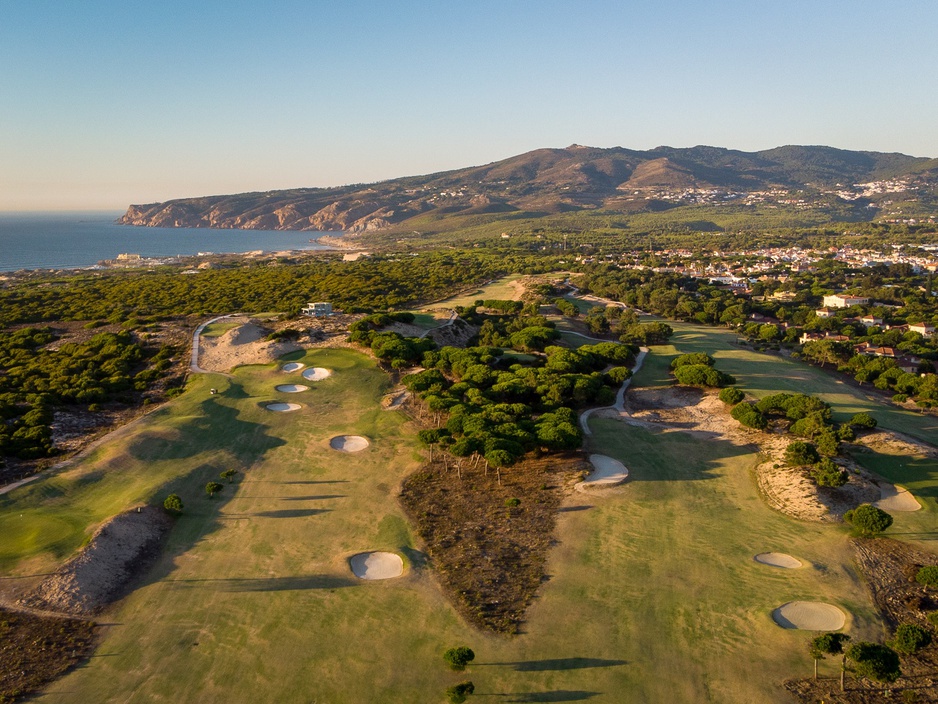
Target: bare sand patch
[
  {"x": 395, "y": 400},
  {"x": 607, "y": 472},
  {"x": 890, "y": 442},
  {"x": 896, "y": 498},
  {"x": 317, "y": 374},
  {"x": 283, "y": 407},
  {"x": 778, "y": 559},
  {"x": 349, "y": 443},
  {"x": 120, "y": 550},
  {"x": 291, "y": 388},
  {"x": 809, "y": 616},
  {"x": 292, "y": 367},
  {"x": 376, "y": 565},
  {"x": 245, "y": 344}
]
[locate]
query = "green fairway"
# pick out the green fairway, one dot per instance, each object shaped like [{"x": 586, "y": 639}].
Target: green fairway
[
  {"x": 218, "y": 329},
  {"x": 652, "y": 595},
  {"x": 500, "y": 289},
  {"x": 762, "y": 374}
]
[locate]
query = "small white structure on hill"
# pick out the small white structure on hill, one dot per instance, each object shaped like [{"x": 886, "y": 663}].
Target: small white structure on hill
[
  {"x": 843, "y": 301},
  {"x": 317, "y": 310}
]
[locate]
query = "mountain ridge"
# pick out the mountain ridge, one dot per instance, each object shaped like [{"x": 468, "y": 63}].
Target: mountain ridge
[{"x": 547, "y": 180}]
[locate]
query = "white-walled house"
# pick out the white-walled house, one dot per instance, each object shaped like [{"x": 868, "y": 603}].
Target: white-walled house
[{"x": 838, "y": 300}]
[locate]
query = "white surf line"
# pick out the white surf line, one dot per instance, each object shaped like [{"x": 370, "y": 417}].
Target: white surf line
[
  {"x": 194, "y": 362},
  {"x": 619, "y": 405}
]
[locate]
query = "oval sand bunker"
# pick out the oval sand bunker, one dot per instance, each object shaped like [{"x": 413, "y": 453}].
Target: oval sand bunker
[
  {"x": 376, "y": 565},
  {"x": 349, "y": 443},
  {"x": 607, "y": 472},
  {"x": 291, "y": 388},
  {"x": 317, "y": 374},
  {"x": 292, "y": 367},
  {"x": 809, "y": 616},
  {"x": 778, "y": 559},
  {"x": 283, "y": 407},
  {"x": 896, "y": 498}
]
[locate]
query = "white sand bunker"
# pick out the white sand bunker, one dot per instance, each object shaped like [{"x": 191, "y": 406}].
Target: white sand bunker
[
  {"x": 349, "y": 443},
  {"x": 317, "y": 374},
  {"x": 291, "y": 388},
  {"x": 778, "y": 559},
  {"x": 292, "y": 367},
  {"x": 896, "y": 498},
  {"x": 376, "y": 565},
  {"x": 608, "y": 472},
  {"x": 809, "y": 616},
  {"x": 283, "y": 407}
]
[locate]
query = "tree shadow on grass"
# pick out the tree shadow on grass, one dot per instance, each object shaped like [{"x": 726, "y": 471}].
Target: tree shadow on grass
[
  {"x": 217, "y": 430},
  {"x": 291, "y": 513},
  {"x": 266, "y": 584},
  {"x": 659, "y": 454},
  {"x": 906, "y": 470},
  {"x": 555, "y": 664},
  {"x": 556, "y": 695}
]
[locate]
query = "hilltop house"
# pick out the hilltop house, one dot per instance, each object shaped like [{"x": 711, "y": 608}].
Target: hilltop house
[
  {"x": 923, "y": 329},
  {"x": 317, "y": 310},
  {"x": 838, "y": 300}
]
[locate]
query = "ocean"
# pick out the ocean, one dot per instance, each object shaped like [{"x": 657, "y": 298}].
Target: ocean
[{"x": 71, "y": 240}]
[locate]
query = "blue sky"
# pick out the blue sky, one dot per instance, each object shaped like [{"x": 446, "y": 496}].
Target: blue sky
[{"x": 106, "y": 103}]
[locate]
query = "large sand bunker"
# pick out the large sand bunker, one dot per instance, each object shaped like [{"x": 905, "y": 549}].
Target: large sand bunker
[
  {"x": 317, "y": 374},
  {"x": 291, "y": 388},
  {"x": 292, "y": 367},
  {"x": 376, "y": 565},
  {"x": 608, "y": 472},
  {"x": 283, "y": 407},
  {"x": 778, "y": 559},
  {"x": 809, "y": 616},
  {"x": 349, "y": 443},
  {"x": 896, "y": 498},
  {"x": 120, "y": 550}
]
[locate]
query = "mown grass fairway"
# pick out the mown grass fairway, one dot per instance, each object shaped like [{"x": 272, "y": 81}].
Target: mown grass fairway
[
  {"x": 500, "y": 289},
  {"x": 762, "y": 374},
  {"x": 653, "y": 595}
]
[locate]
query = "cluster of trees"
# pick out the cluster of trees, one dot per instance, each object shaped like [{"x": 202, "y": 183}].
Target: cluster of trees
[
  {"x": 696, "y": 369},
  {"x": 390, "y": 347},
  {"x": 807, "y": 417},
  {"x": 378, "y": 283},
  {"x": 498, "y": 412},
  {"x": 878, "y": 662},
  {"x": 35, "y": 379}
]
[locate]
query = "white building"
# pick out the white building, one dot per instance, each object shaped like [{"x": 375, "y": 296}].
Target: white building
[
  {"x": 844, "y": 301},
  {"x": 317, "y": 310}
]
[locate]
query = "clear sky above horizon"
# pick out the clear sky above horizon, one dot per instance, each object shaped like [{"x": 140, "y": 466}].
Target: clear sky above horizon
[{"x": 105, "y": 102}]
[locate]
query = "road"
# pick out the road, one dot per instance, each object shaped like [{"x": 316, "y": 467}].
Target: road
[
  {"x": 194, "y": 362},
  {"x": 619, "y": 405}
]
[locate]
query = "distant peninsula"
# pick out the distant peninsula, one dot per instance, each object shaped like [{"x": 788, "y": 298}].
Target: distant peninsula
[{"x": 854, "y": 185}]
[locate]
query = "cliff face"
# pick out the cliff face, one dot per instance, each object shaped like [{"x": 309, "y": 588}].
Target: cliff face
[{"x": 545, "y": 180}]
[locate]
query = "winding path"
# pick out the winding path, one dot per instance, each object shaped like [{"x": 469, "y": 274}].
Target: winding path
[
  {"x": 194, "y": 362},
  {"x": 619, "y": 405},
  {"x": 452, "y": 319}
]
